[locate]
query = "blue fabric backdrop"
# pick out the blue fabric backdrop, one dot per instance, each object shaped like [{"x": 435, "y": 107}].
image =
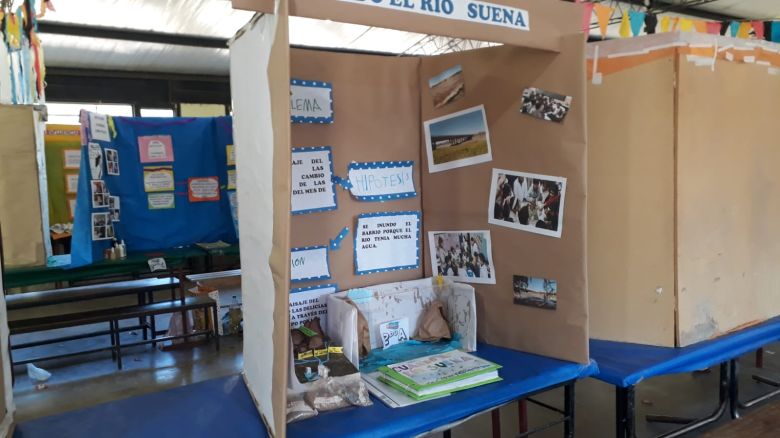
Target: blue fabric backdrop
[{"x": 199, "y": 150}]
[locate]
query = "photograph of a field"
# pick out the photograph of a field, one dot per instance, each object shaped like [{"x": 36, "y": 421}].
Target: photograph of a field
[
  {"x": 447, "y": 86},
  {"x": 457, "y": 140}
]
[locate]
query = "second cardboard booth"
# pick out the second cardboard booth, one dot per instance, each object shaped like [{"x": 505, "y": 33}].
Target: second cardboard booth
[{"x": 380, "y": 104}]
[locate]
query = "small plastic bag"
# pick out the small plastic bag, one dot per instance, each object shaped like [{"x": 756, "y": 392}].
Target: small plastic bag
[
  {"x": 298, "y": 409},
  {"x": 332, "y": 393}
]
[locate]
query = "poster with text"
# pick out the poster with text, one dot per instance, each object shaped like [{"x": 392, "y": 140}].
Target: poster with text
[
  {"x": 98, "y": 127},
  {"x": 161, "y": 201},
  {"x": 307, "y": 303},
  {"x": 230, "y": 151},
  {"x": 71, "y": 183},
  {"x": 158, "y": 179},
  {"x": 313, "y": 189},
  {"x": 309, "y": 263},
  {"x": 155, "y": 148},
  {"x": 203, "y": 189},
  {"x": 387, "y": 242},
  {"x": 311, "y": 101},
  {"x": 381, "y": 180},
  {"x": 71, "y": 159}
]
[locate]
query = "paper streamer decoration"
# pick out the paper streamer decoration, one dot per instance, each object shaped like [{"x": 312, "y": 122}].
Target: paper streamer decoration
[
  {"x": 734, "y": 28},
  {"x": 686, "y": 25},
  {"x": 700, "y": 26},
  {"x": 603, "y": 14},
  {"x": 587, "y": 13},
  {"x": 776, "y": 31},
  {"x": 336, "y": 243},
  {"x": 758, "y": 28},
  {"x": 713, "y": 27},
  {"x": 625, "y": 26},
  {"x": 744, "y": 30},
  {"x": 665, "y": 22},
  {"x": 636, "y": 19}
]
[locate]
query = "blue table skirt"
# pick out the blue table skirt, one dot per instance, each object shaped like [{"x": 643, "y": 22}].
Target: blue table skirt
[
  {"x": 223, "y": 407},
  {"x": 624, "y": 364}
]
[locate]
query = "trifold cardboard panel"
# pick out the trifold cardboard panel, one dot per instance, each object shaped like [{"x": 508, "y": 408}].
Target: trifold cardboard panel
[
  {"x": 631, "y": 286},
  {"x": 684, "y": 217},
  {"x": 380, "y": 104},
  {"x": 6, "y": 385},
  {"x": 21, "y": 217}
]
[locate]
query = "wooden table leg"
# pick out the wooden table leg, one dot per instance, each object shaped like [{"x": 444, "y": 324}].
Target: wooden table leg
[
  {"x": 495, "y": 419},
  {"x": 522, "y": 416}
]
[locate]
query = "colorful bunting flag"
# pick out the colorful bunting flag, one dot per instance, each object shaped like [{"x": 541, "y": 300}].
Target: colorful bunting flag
[
  {"x": 700, "y": 26},
  {"x": 651, "y": 22},
  {"x": 603, "y": 15},
  {"x": 636, "y": 19},
  {"x": 665, "y": 23},
  {"x": 734, "y": 28},
  {"x": 744, "y": 30},
  {"x": 587, "y": 13},
  {"x": 775, "y": 31},
  {"x": 758, "y": 28},
  {"x": 625, "y": 26},
  {"x": 686, "y": 25},
  {"x": 713, "y": 27},
  {"x": 675, "y": 21}
]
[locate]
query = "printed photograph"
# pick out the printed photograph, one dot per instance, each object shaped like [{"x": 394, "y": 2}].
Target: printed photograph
[
  {"x": 464, "y": 256},
  {"x": 113, "y": 208},
  {"x": 100, "y": 196},
  {"x": 101, "y": 226},
  {"x": 457, "y": 140},
  {"x": 535, "y": 292},
  {"x": 527, "y": 201},
  {"x": 545, "y": 105},
  {"x": 112, "y": 161},
  {"x": 447, "y": 86},
  {"x": 95, "y": 155}
]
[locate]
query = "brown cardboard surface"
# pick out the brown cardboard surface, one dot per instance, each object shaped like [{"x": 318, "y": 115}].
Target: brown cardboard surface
[
  {"x": 729, "y": 211},
  {"x": 20, "y": 211},
  {"x": 458, "y": 199},
  {"x": 548, "y": 21},
  {"x": 631, "y": 204},
  {"x": 376, "y": 118}
]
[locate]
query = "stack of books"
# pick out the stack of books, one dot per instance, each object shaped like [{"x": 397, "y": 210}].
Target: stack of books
[{"x": 439, "y": 375}]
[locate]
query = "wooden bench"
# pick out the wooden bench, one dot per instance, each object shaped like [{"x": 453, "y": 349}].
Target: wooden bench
[
  {"x": 54, "y": 320},
  {"x": 47, "y": 315}
]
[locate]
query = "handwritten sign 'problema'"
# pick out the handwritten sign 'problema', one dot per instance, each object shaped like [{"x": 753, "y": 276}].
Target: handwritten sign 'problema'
[
  {"x": 465, "y": 10},
  {"x": 311, "y": 101},
  {"x": 309, "y": 263},
  {"x": 387, "y": 242},
  {"x": 307, "y": 303},
  {"x": 382, "y": 180},
  {"x": 312, "y": 180}
]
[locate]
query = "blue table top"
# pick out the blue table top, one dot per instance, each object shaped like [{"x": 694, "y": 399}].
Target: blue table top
[
  {"x": 624, "y": 364},
  {"x": 224, "y": 407}
]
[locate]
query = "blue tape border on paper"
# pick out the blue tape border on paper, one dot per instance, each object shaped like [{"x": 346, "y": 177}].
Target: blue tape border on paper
[
  {"x": 327, "y": 261},
  {"x": 332, "y": 184},
  {"x": 383, "y": 214},
  {"x": 383, "y": 165},
  {"x": 315, "y": 84},
  {"x": 295, "y": 290}
]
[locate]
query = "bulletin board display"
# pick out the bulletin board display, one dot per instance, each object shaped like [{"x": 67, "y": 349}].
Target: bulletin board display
[
  {"x": 63, "y": 160},
  {"x": 156, "y": 183}
]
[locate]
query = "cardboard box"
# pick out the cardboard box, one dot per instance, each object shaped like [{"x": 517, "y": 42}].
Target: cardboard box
[{"x": 407, "y": 299}]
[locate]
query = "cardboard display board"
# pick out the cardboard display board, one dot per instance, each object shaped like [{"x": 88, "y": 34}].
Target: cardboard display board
[
  {"x": 688, "y": 248},
  {"x": 63, "y": 159},
  {"x": 6, "y": 385},
  {"x": 25, "y": 232},
  {"x": 380, "y": 109}
]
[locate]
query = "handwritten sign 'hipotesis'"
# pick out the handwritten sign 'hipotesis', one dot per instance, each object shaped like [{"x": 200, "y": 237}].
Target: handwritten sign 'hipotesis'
[
  {"x": 312, "y": 180},
  {"x": 465, "y": 10},
  {"x": 387, "y": 242},
  {"x": 382, "y": 180}
]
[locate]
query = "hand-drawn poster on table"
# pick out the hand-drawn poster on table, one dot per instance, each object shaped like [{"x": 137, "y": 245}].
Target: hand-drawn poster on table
[
  {"x": 313, "y": 189},
  {"x": 307, "y": 303},
  {"x": 309, "y": 263},
  {"x": 155, "y": 148},
  {"x": 387, "y": 242},
  {"x": 381, "y": 180},
  {"x": 311, "y": 101},
  {"x": 158, "y": 179},
  {"x": 203, "y": 189}
]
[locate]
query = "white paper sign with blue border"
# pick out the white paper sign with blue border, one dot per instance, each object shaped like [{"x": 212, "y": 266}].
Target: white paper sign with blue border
[
  {"x": 465, "y": 10},
  {"x": 309, "y": 263},
  {"x": 311, "y": 101},
  {"x": 311, "y": 302},
  {"x": 312, "y": 188},
  {"x": 381, "y": 180},
  {"x": 387, "y": 242}
]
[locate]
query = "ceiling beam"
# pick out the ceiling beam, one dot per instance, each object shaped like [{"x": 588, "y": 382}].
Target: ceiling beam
[{"x": 114, "y": 33}]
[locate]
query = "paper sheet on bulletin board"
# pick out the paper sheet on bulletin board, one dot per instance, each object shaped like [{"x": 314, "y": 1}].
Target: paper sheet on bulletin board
[
  {"x": 63, "y": 159},
  {"x": 146, "y": 223}
]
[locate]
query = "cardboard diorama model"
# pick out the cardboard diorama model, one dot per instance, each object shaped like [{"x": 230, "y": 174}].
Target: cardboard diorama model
[
  {"x": 401, "y": 168},
  {"x": 684, "y": 217}
]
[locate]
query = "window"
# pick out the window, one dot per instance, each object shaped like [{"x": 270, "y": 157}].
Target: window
[
  {"x": 68, "y": 113},
  {"x": 157, "y": 112}
]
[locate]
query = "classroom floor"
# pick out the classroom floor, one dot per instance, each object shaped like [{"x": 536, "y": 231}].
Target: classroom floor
[{"x": 88, "y": 380}]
